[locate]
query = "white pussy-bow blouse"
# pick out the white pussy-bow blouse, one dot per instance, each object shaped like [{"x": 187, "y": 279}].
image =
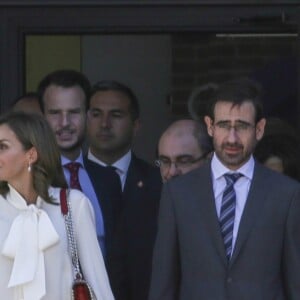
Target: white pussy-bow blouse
[{"x": 31, "y": 233}]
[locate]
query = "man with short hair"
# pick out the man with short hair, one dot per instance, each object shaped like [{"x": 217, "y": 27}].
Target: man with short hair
[
  {"x": 63, "y": 99},
  {"x": 182, "y": 147},
  {"x": 229, "y": 230},
  {"x": 113, "y": 121},
  {"x": 63, "y": 96}
]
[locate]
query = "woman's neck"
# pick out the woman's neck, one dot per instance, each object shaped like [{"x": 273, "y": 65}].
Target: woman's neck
[{"x": 27, "y": 192}]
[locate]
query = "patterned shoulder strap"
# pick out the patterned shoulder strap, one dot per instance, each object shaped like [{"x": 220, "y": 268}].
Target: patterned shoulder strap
[{"x": 67, "y": 214}]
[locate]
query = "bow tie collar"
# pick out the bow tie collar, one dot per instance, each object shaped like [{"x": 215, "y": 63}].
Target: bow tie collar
[{"x": 30, "y": 234}]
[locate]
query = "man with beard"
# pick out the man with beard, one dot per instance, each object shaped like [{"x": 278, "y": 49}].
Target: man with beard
[
  {"x": 229, "y": 230},
  {"x": 63, "y": 96},
  {"x": 112, "y": 123}
]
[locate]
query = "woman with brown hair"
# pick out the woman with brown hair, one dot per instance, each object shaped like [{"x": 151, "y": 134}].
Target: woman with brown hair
[{"x": 34, "y": 259}]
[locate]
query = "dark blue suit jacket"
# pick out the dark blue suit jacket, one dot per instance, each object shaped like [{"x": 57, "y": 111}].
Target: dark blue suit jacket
[
  {"x": 131, "y": 256},
  {"x": 108, "y": 200}
]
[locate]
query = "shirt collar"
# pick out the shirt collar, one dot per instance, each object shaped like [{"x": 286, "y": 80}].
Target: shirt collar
[
  {"x": 65, "y": 160},
  {"x": 218, "y": 169},
  {"x": 121, "y": 164},
  {"x": 14, "y": 198}
]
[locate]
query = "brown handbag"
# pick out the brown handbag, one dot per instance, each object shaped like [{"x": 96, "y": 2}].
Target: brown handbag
[{"x": 81, "y": 290}]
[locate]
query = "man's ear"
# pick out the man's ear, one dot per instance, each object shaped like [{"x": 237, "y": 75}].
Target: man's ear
[
  {"x": 136, "y": 126},
  {"x": 209, "y": 124},
  {"x": 260, "y": 129}
]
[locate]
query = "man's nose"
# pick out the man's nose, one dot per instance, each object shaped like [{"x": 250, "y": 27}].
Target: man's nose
[
  {"x": 65, "y": 119},
  {"x": 232, "y": 135},
  {"x": 106, "y": 122},
  {"x": 173, "y": 171}
]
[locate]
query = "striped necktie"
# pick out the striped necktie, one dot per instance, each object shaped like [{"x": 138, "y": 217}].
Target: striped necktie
[{"x": 227, "y": 213}]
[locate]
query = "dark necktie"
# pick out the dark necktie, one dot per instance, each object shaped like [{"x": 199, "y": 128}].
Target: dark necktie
[
  {"x": 227, "y": 213},
  {"x": 73, "y": 168},
  {"x": 115, "y": 187},
  {"x": 114, "y": 169}
]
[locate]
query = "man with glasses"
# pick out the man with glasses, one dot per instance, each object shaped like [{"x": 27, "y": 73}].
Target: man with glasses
[
  {"x": 229, "y": 230},
  {"x": 183, "y": 147}
]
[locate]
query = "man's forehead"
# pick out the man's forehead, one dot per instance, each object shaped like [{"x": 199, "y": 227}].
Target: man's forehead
[
  {"x": 224, "y": 110},
  {"x": 177, "y": 156},
  {"x": 111, "y": 96},
  {"x": 65, "y": 105},
  {"x": 178, "y": 146},
  {"x": 109, "y": 103}
]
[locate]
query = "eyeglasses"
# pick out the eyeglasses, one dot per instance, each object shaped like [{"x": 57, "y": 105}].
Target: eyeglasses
[
  {"x": 239, "y": 127},
  {"x": 181, "y": 162}
]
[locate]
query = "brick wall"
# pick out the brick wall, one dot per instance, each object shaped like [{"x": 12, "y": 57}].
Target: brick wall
[{"x": 199, "y": 58}]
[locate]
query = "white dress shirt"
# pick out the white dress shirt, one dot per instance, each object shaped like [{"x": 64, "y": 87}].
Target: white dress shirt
[
  {"x": 121, "y": 165},
  {"x": 37, "y": 232},
  {"x": 241, "y": 188}
]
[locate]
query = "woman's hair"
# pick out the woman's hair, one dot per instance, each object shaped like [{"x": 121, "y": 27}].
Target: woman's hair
[{"x": 33, "y": 131}]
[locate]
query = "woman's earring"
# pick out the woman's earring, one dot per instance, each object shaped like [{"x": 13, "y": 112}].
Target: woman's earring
[{"x": 29, "y": 167}]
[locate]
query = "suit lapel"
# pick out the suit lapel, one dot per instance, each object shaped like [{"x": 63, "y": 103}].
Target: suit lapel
[
  {"x": 132, "y": 176},
  {"x": 253, "y": 209},
  {"x": 207, "y": 208},
  {"x": 98, "y": 178},
  {"x": 135, "y": 183}
]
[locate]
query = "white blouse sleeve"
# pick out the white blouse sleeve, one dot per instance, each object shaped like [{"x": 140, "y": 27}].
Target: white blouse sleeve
[{"x": 90, "y": 256}]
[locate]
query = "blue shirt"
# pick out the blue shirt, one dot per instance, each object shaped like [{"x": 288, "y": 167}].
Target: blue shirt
[
  {"x": 241, "y": 188},
  {"x": 88, "y": 190}
]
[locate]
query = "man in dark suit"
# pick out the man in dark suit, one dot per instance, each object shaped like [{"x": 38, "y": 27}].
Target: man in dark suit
[
  {"x": 229, "y": 230},
  {"x": 63, "y": 98},
  {"x": 113, "y": 120}
]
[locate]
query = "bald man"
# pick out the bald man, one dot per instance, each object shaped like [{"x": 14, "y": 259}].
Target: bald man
[
  {"x": 28, "y": 103},
  {"x": 182, "y": 147}
]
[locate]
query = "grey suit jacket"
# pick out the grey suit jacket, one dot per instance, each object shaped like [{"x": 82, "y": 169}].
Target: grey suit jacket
[{"x": 189, "y": 260}]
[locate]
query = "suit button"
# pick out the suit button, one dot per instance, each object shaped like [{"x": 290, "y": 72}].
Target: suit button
[{"x": 229, "y": 280}]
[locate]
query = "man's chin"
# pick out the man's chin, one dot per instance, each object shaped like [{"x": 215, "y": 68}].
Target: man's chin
[
  {"x": 237, "y": 162},
  {"x": 232, "y": 161},
  {"x": 105, "y": 147},
  {"x": 69, "y": 146}
]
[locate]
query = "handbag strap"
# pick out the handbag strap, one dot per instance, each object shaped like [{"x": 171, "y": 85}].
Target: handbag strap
[{"x": 67, "y": 214}]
